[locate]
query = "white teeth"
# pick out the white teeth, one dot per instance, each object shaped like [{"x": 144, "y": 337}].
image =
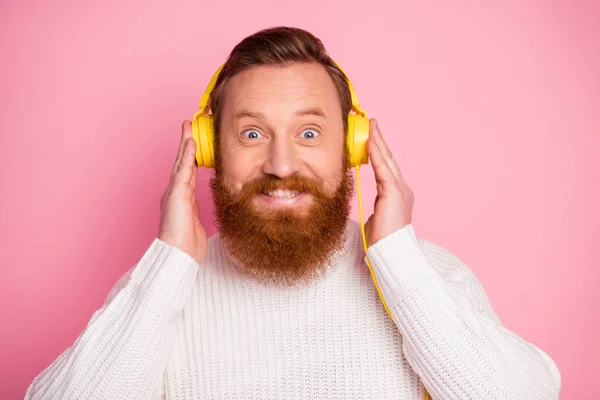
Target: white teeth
[{"x": 283, "y": 193}]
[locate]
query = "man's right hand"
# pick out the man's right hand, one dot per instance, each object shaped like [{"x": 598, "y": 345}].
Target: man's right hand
[{"x": 179, "y": 210}]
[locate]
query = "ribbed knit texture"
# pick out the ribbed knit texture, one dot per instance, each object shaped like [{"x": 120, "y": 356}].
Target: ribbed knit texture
[{"x": 172, "y": 328}]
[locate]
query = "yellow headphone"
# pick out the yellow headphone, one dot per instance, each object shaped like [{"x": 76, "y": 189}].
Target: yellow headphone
[
  {"x": 203, "y": 129},
  {"x": 357, "y": 135}
]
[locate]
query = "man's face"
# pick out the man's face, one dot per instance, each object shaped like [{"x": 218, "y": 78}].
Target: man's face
[
  {"x": 282, "y": 190},
  {"x": 283, "y": 122}
]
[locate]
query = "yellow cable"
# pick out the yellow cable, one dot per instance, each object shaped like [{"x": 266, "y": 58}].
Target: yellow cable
[
  {"x": 362, "y": 228},
  {"x": 364, "y": 238}
]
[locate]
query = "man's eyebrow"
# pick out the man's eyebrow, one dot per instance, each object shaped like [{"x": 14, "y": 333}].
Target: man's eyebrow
[
  {"x": 247, "y": 113},
  {"x": 316, "y": 111}
]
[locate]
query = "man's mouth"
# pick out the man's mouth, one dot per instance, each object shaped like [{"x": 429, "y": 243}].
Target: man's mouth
[{"x": 282, "y": 194}]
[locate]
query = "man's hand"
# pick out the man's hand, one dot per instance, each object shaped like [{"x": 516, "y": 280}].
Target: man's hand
[
  {"x": 179, "y": 210},
  {"x": 394, "y": 201}
]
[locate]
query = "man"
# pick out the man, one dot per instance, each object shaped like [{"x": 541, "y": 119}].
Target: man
[{"x": 280, "y": 303}]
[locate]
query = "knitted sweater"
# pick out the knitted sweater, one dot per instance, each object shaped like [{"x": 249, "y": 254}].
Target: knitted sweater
[{"x": 177, "y": 329}]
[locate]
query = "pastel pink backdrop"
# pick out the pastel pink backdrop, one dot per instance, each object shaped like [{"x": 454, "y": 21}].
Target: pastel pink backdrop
[{"x": 493, "y": 111}]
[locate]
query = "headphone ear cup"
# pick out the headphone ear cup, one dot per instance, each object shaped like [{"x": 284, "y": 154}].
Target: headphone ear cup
[
  {"x": 358, "y": 134},
  {"x": 202, "y": 132}
]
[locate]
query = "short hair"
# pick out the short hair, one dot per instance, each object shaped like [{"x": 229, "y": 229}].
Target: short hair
[{"x": 278, "y": 46}]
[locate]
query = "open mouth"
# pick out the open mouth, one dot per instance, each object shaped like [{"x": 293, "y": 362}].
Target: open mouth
[{"x": 283, "y": 194}]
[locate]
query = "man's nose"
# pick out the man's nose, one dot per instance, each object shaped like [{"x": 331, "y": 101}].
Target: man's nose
[{"x": 282, "y": 160}]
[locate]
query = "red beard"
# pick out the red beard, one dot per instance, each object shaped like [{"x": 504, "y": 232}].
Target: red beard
[{"x": 283, "y": 246}]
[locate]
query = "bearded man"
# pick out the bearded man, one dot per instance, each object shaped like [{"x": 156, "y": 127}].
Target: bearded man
[{"x": 280, "y": 304}]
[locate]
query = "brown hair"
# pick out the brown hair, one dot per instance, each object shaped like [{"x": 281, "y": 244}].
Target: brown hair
[{"x": 278, "y": 46}]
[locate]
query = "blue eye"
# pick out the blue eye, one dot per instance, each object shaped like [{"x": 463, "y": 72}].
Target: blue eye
[
  {"x": 309, "y": 134},
  {"x": 252, "y": 134}
]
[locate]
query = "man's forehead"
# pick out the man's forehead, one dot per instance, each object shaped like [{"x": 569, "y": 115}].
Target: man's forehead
[
  {"x": 292, "y": 77},
  {"x": 305, "y": 88}
]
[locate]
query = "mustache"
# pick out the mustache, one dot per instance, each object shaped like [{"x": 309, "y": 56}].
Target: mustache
[{"x": 269, "y": 183}]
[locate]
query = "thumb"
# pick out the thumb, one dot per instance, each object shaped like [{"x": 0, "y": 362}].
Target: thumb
[
  {"x": 368, "y": 227},
  {"x": 196, "y": 209}
]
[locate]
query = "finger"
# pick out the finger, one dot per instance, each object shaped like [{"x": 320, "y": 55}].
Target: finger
[
  {"x": 187, "y": 164},
  {"x": 383, "y": 174},
  {"x": 180, "y": 149},
  {"x": 194, "y": 179},
  {"x": 186, "y": 132},
  {"x": 385, "y": 150},
  {"x": 376, "y": 133}
]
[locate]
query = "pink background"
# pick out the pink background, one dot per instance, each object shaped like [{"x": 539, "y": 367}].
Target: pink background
[{"x": 493, "y": 111}]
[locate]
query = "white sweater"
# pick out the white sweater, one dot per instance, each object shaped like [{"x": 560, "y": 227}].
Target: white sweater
[{"x": 172, "y": 328}]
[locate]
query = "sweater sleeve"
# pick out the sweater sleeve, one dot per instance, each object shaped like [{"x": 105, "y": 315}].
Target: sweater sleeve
[
  {"x": 124, "y": 350},
  {"x": 452, "y": 337}
]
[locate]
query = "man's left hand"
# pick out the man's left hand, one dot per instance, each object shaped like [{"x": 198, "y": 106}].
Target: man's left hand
[{"x": 394, "y": 201}]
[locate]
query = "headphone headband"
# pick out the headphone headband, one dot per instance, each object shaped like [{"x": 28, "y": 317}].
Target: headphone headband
[{"x": 213, "y": 81}]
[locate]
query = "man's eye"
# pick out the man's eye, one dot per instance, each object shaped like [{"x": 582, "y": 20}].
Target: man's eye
[
  {"x": 309, "y": 134},
  {"x": 252, "y": 134}
]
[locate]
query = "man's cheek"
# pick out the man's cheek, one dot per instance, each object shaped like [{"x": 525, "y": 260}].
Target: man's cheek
[
  {"x": 233, "y": 182},
  {"x": 332, "y": 183}
]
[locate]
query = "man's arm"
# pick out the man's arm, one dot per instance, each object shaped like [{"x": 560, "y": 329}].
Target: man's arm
[
  {"x": 452, "y": 337},
  {"x": 124, "y": 350}
]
